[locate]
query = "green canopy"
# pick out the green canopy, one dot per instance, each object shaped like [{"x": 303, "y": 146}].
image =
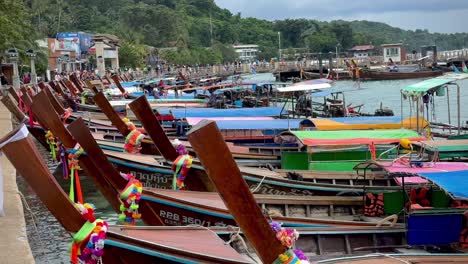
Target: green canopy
[
  {"x": 421, "y": 88},
  {"x": 355, "y": 137}
]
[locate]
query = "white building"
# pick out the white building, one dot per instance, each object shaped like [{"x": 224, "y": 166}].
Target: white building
[
  {"x": 246, "y": 52},
  {"x": 396, "y": 52},
  {"x": 363, "y": 51}
]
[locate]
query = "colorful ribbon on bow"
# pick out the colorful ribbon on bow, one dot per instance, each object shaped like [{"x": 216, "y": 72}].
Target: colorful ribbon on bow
[
  {"x": 92, "y": 234},
  {"x": 133, "y": 139},
  {"x": 50, "y": 139},
  {"x": 75, "y": 183},
  {"x": 180, "y": 167},
  {"x": 287, "y": 237},
  {"x": 129, "y": 200}
]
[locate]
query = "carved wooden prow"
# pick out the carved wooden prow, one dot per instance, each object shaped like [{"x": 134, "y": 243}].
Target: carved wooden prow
[
  {"x": 14, "y": 94},
  {"x": 142, "y": 110},
  {"x": 116, "y": 80},
  {"x": 76, "y": 82},
  {"x": 207, "y": 141},
  {"x": 28, "y": 103},
  {"x": 33, "y": 169},
  {"x": 13, "y": 108}
]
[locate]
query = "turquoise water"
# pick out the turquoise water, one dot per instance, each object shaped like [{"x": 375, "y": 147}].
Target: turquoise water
[
  {"x": 372, "y": 93},
  {"x": 50, "y": 242}
]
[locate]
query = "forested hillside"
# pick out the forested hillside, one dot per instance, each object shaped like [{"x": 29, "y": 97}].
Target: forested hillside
[{"x": 202, "y": 31}]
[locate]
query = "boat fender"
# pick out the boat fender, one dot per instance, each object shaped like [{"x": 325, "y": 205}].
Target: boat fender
[{"x": 406, "y": 143}]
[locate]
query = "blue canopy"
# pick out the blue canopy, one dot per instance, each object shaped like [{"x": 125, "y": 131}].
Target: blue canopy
[
  {"x": 126, "y": 84},
  {"x": 180, "y": 113},
  {"x": 454, "y": 182},
  {"x": 276, "y": 124},
  {"x": 367, "y": 119}
]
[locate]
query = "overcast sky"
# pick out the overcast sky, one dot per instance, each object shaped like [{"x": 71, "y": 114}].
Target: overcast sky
[{"x": 446, "y": 16}]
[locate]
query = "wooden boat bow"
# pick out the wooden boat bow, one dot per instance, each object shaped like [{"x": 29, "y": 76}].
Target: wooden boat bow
[{"x": 212, "y": 151}]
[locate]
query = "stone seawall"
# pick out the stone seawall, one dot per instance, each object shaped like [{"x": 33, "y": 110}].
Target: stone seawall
[{"x": 14, "y": 246}]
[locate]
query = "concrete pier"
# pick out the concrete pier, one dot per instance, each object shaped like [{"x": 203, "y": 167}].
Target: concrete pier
[{"x": 14, "y": 246}]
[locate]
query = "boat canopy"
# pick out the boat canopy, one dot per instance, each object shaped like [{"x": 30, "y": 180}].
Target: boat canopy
[
  {"x": 353, "y": 137},
  {"x": 275, "y": 124},
  {"x": 427, "y": 167},
  {"x": 304, "y": 87},
  {"x": 453, "y": 182},
  {"x": 421, "y": 88},
  {"x": 367, "y": 122},
  {"x": 191, "y": 121},
  {"x": 180, "y": 113},
  {"x": 126, "y": 84}
]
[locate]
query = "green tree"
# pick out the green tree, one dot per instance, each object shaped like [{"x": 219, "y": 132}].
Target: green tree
[
  {"x": 16, "y": 29},
  {"x": 132, "y": 55}
]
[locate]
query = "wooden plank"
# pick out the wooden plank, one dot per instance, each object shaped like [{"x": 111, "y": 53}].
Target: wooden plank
[
  {"x": 13, "y": 108},
  {"x": 101, "y": 100},
  {"x": 91, "y": 86},
  {"x": 116, "y": 80},
  {"x": 142, "y": 110},
  {"x": 28, "y": 102},
  {"x": 13, "y": 93},
  {"x": 212, "y": 151},
  {"x": 55, "y": 102},
  {"x": 76, "y": 82}
]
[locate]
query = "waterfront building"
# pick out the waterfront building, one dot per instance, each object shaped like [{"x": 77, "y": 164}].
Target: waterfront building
[{"x": 247, "y": 53}]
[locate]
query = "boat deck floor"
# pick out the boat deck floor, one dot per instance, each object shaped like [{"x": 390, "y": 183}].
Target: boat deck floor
[{"x": 196, "y": 240}]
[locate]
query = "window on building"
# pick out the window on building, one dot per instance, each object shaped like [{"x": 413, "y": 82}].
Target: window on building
[{"x": 392, "y": 51}]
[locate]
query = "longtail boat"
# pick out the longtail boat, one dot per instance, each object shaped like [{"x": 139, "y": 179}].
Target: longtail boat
[
  {"x": 263, "y": 181},
  {"x": 205, "y": 208},
  {"x": 122, "y": 244},
  {"x": 154, "y": 245},
  {"x": 340, "y": 150},
  {"x": 381, "y": 75},
  {"x": 209, "y": 144}
]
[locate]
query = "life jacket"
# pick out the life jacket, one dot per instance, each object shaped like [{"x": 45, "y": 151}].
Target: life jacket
[
  {"x": 421, "y": 196},
  {"x": 459, "y": 204},
  {"x": 374, "y": 204}
]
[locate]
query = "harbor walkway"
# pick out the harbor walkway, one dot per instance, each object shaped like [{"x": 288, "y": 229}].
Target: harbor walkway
[{"x": 14, "y": 246}]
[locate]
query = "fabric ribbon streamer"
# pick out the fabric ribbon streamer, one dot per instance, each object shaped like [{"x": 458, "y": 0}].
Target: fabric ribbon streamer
[
  {"x": 66, "y": 115},
  {"x": 129, "y": 198},
  {"x": 50, "y": 139},
  {"x": 287, "y": 238},
  {"x": 133, "y": 139},
  {"x": 75, "y": 183},
  {"x": 90, "y": 237},
  {"x": 31, "y": 118},
  {"x": 180, "y": 167},
  {"x": 64, "y": 160}
]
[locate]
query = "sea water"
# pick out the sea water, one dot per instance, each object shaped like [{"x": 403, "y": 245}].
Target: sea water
[{"x": 50, "y": 242}]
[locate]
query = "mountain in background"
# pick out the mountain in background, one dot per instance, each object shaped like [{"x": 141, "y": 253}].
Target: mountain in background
[{"x": 203, "y": 32}]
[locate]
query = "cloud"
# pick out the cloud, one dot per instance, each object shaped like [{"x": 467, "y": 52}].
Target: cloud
[{"x": 435, "y": 15}]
